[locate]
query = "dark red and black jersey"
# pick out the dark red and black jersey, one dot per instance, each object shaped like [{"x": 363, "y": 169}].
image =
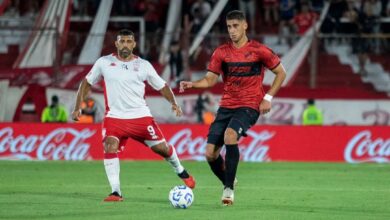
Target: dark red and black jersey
[{"x": 242, "y": 70}]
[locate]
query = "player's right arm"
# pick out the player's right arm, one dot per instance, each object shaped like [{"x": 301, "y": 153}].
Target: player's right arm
[
  {"x": 214, "y": 70},
  {"x": 206, "y": 82},
  {"x": 94, "y": 76},
  {"x": 84, "y": 88}
]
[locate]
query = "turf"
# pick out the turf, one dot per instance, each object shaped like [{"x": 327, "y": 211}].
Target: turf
[{"x": 74, "y": 190}]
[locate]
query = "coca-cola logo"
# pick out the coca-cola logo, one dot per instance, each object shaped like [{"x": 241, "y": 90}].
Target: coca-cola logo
[
  {"x": 362, "y": 148},
  {"x": 194, "y": 148},
  {"x": 61, "y": 143}
]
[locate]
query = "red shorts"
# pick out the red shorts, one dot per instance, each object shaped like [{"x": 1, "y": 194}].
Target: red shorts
[{"x": 144, "y": 130}]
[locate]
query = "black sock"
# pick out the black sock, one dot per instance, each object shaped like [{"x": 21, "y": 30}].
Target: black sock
[
  {"x": 218, "y": 168},
  {"x": 184, "y": 174},
  {"x": 231, "y": 163}
]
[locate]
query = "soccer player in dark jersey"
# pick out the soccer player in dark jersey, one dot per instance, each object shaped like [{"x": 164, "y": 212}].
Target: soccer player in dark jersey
[{"x": 241, "y": 63}]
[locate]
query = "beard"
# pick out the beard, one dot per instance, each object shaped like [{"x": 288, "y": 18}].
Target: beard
[{"x": 125, "y": 52}]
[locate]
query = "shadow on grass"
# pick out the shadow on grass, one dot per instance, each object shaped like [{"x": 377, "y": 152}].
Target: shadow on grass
[{"x": 56, "y": 195}]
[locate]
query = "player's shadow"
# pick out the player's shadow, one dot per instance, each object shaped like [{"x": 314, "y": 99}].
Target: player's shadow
[{"x": 74, "y": 195}]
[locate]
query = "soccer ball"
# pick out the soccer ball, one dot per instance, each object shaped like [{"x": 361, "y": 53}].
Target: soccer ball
[{"x": 181, "y": 197}]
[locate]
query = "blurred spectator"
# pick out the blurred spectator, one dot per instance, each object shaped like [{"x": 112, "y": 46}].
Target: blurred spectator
[
  {"x": 368, "y": 24},
  {"x": 351, "y": 15},
  {"x": 200, "y": 11},
  {"x": 249, "y": 8},
  {"x": 371, "y": 15},
  {"x": 271, "y": 6},
  {"x": 335, "y": 12},
  {"x": 304, "y": 20},
  {"x": 176, "y": 63},
  {"x": 88, "y": 110},
  {"x": 312, "y": 115},
  {"x": 55, "y": 112},
  {"x": 205, "y": 108},
  {"x": 286, "y": 14},
  {"x": 372, "y": 7},
  {"x": 197, "y": 21},
  {"x": 317, "y": 6},
  {"x": 203, "y": 7}
]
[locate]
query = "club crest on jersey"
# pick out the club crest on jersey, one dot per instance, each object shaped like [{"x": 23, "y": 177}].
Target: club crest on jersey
[
  {"x": 112, "y": 64},
  {"x": 247, "y": 55},
  {"x": 124, "y": 66}
]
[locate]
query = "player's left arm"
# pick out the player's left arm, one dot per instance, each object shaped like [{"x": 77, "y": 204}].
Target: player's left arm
[
  {"x": 280, "y": 75},
  {"x": 166, "y": 91}
]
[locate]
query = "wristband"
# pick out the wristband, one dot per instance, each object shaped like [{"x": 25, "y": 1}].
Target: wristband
[{"x": 268, "y": 97}]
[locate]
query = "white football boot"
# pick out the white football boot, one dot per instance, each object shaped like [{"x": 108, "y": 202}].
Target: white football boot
[{"x": 227, "y": 197}]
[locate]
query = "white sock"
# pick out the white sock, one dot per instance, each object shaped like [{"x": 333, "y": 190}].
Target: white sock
[
  {"x": 112, "y": 170},
  {"x": 174, "y": 161}
]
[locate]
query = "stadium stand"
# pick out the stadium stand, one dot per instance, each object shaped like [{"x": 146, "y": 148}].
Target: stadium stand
[{"x": 335, "y": 76}]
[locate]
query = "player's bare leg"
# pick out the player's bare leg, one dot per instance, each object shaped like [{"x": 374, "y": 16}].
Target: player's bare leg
[
  {"x": 231, "y": 162},
  {"x": 215, "y": 161},
  {"x": 169, "y": 154},
  {"x": 111, "y": 165}
]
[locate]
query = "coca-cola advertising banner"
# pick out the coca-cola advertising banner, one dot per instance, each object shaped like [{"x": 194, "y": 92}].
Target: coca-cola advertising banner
[
  {"x": 31, "y": 141},
  {"x": 353, "y": 144},
  {"x": 285, "y": 111}
]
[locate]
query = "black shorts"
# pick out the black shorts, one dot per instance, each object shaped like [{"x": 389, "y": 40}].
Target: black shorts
[{"x": 239, "y": 119}]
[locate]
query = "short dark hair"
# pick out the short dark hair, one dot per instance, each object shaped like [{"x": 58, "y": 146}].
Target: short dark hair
[
  {"x": 54, "y": 99},
  {"x": 236, "y": 14},
  {"x": 310, "y": 101},
  {"x": 125, "y": 32}
]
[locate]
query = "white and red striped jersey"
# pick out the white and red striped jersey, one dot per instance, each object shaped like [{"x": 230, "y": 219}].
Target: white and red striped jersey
[{"x": 124, "y": 85}]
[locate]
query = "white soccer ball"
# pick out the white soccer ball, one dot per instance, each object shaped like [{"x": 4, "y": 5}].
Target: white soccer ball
[{"x": 181, "y": 197}]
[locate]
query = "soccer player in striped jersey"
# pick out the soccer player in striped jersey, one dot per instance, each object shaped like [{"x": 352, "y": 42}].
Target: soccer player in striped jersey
[{"x": 241, "y": 63}]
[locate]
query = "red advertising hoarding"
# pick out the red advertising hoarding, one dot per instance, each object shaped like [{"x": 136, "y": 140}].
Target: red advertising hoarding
[{"x": 353, "y": 144}]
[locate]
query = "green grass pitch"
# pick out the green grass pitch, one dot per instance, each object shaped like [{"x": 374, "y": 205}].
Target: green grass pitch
[{"x": 75, "y": 190}]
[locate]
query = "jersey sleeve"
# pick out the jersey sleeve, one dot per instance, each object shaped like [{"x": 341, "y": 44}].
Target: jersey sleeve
[
  {"x": 215, "y": 64},
  {"x": 269, "y": 58},
  {"x": 153, "y": 78},
  {"x": 95, "y": 74}
]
